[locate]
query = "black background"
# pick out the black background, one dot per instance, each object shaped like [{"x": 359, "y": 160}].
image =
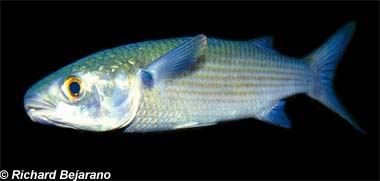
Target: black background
[{"x": 38, "y": 38}]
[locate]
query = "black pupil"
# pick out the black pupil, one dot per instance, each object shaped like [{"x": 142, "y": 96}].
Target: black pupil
[{"x": 74, "y": 88}]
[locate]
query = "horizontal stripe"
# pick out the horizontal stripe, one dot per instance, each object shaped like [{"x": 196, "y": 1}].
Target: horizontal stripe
[
  {"x": 228, "y": 91},
  {"x": 224, "y": 84},
  {"x": 237, "y": 79},
  {"x": 234, "y": 77},
  {"x": 202, "y": 100},
  {"x": 220, "y": 66},
  {"x": 258, "y": 62},
  {"x": 205, "y": 99}
]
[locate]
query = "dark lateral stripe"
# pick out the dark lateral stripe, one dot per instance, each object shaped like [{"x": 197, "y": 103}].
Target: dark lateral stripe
[
  {"x": 212, "y": 99},
  {"x": 216, "y": 66},
  {"x": 246, "y": 78},
  {"x": 195, "y": 95},
  {"x": 223, "y": 91},
  {"x": 237, "y": 84}
]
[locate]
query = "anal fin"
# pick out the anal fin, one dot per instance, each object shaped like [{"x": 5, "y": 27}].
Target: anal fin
[
  {"x": 276, "y": 115},
  {"x": 191, "y": 124}
]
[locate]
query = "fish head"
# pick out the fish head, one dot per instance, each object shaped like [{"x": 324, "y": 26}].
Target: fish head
[{"x": 90, "y": 94}]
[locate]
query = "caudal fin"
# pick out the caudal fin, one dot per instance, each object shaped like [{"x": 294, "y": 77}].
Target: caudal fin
[{"x": 323, "y": 62}]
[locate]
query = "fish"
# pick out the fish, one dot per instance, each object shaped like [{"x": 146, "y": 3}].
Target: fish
[{"x": 187, "y": 82}]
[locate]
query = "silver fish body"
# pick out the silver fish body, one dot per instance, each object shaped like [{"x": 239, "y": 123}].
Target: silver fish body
[
  {"x": 185, "y": 82},
  {"x": 234, "y": 80}
]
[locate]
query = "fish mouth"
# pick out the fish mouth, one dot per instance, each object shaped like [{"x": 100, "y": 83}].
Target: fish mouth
[
  {"x": 37, "y": 109},
  {"x": 33, "y": 104}
]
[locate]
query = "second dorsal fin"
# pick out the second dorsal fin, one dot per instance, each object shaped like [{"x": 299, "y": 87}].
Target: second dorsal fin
[{"x": 264, "y": 42}]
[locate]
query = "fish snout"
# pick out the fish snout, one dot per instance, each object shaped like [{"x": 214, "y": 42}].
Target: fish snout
[
  {"x": 34, "y": 101},
  {"x": 36, "y": 107}
]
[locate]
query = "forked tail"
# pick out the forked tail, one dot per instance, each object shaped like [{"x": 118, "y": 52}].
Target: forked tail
[{"x": 323, "y": 62}]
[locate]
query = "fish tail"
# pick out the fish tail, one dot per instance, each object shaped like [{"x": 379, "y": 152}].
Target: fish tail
[{"x": 323, "y": 63}]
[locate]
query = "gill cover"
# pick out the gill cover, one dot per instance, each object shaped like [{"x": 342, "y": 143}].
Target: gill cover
[
  {"x": 118, "y": 101},
  {"x": 101, "y": 102}
]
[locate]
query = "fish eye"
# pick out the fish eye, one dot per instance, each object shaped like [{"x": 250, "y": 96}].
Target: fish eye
[{"x": 73, "y": 88}]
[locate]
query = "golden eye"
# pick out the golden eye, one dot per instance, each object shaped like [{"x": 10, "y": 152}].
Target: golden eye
[{"x": 73, "y": 86}]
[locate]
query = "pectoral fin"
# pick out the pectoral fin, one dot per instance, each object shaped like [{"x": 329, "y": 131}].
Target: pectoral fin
[{"x": 174, "y": 62}]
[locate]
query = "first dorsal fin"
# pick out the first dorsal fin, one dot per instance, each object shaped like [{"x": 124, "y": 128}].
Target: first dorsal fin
[{"x": 264, "y": 42}]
